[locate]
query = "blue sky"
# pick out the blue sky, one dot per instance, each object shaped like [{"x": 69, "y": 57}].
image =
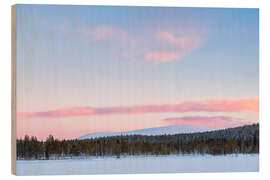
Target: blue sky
[{"x": 99, "y": 56}]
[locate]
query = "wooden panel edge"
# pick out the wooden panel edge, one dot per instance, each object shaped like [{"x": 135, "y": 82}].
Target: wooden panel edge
[{"x": 13, "y": 88}]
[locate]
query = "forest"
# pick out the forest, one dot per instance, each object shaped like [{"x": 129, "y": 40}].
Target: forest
[{"x": 244, "y": 139}]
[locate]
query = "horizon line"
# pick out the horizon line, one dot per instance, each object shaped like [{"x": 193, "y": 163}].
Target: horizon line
[{"x": 61, "y": 139}]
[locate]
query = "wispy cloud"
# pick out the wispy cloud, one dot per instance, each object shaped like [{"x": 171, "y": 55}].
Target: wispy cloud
[
  {"x": 212, "y": 121},
  {"x": 183, "y": 42},
  {"x": 103, "y": 32},
  {"x": 213, "y": 105},
  {"x": 162, "y": 56},
  {"x": 162, "y": 46},
  {"x": 179, "y": 46}
]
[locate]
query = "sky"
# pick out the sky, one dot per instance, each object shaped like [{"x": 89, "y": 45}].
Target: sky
[{"x": 84, "y": 69}]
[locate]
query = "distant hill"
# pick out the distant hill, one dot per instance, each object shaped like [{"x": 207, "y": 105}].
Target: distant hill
[{"x": 168, "y": 130}]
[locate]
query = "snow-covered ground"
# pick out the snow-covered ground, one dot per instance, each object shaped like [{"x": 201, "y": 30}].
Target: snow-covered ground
[{"x": 141, "y": 164}]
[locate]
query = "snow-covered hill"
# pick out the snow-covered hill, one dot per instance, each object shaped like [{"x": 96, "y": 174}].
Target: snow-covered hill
[{"x": 175, "y": 129}]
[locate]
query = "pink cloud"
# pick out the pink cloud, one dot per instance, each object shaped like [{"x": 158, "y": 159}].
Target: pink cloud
[
  {"x": 162, "y": 56},
  {"x": 76, "y": 111},
  {"x": 214, "y": 105},
  {"x": 184, "y": 41},
  {"x": 212, "y": 121},
  {"x": 230, "y": 105},
  {"x": 180, "y": 46}
]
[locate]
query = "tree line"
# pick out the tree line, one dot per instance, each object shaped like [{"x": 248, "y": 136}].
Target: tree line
[{"x": 244, "y": 139}]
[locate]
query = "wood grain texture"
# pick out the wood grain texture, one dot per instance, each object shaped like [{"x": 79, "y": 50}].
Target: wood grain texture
[{"x": 13, "y": 89}]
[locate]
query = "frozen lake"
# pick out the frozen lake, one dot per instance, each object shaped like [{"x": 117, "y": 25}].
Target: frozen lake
[{"x": 141, "y": 164}]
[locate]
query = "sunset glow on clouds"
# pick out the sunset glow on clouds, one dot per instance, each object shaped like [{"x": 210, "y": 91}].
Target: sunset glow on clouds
[
  {"x": 179, "y": 41},
  {"x": 213, "y": 121},
  {"x": 217, "y": 105},
  {"x": 181, "y": 47}
]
